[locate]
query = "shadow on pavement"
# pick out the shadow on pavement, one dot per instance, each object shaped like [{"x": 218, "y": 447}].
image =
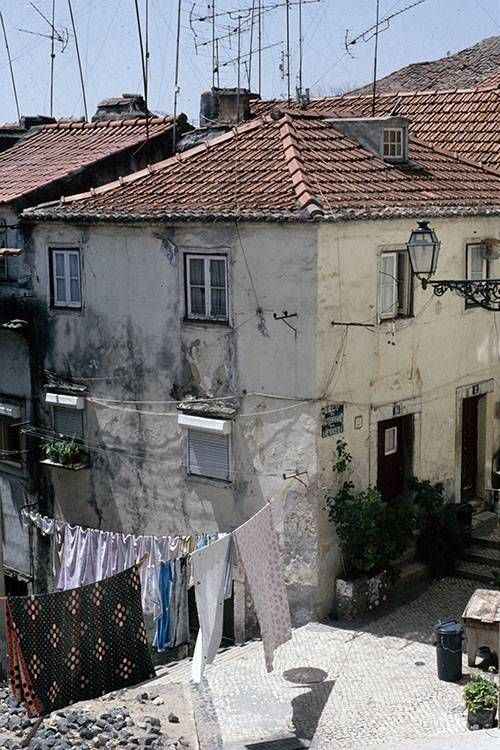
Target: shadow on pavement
[{"x": 308, "y": 707}]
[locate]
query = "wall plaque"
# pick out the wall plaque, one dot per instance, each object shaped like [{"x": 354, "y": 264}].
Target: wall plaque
[{"x": 332, "y": 420}]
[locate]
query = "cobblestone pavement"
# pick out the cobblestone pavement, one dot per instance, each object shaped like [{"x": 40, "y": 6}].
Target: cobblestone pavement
[{"x": 380, "y": 686}]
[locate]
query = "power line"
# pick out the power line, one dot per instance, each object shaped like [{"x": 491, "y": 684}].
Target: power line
[
  {"x": 10, "y": 67},
  {"x": 79, "y": 60}
]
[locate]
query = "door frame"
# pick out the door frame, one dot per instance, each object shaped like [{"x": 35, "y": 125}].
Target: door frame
[
  {"x": 392, "y": 411},
  {"x": 486, "y": 423}
]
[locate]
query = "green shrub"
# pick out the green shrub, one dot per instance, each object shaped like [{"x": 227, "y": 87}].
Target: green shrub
[
  {"x": 371, "y": 532},
  {"x": 480, "y": 694},
  {"x": 439, "y": 539}
]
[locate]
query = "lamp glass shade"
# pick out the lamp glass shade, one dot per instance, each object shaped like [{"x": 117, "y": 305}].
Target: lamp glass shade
[{"x": 423, "y": 249}]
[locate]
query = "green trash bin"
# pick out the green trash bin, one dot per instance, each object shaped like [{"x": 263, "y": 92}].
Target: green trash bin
[{"x": 449, "y": 634}]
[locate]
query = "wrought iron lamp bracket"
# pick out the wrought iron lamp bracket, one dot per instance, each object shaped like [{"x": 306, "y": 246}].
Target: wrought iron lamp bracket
[{"x": 484, "y": 292}]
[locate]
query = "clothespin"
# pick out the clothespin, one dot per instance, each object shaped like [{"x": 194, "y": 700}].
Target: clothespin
[{"x": 142, "y": 560}]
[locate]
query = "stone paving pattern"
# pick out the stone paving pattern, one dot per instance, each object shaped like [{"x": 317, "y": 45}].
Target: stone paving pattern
[{"x": 381, "y": 683}]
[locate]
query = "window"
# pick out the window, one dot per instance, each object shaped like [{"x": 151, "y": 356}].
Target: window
[
  {"x": 477, "y": 266},
  {"x": 68, "y": 422},
  {"x": 396, "y": 285},
  {"x": 394, "y": 143},
  {"x": 66, "y": 282},
  {"x": 209, "y": 454},
  {"x": 206, "y": 287},
  {"x": 390, "y": 441},
  {"x": 10, "y": 441},
  {"x": 4, "y": 269}
]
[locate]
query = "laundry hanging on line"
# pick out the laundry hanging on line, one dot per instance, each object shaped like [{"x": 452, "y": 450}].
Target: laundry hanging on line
[
  {"x": 76, "y": 645},
  {"x": 88, "y": 555}
]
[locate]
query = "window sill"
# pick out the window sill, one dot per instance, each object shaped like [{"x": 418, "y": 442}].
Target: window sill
[
  {"x": 71, "y": 467},
  {"x": 228, "y": 483},
  {"x": 57, "y": 309},
  {"x": 203, "y": 322}
]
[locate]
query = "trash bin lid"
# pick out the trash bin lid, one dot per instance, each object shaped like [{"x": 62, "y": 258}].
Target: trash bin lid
[{"x": 448, "y": 627}]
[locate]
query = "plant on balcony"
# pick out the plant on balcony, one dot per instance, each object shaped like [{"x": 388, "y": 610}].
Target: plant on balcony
[
  {"x": 65, "y": 451},
  {"x": 371, "y": 532}
]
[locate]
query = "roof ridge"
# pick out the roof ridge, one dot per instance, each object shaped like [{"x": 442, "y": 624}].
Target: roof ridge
[
  {"x": 179, "y": 156},
  {"x": 293, "y": 160},
  {"x": 410, "y": 92},
  {"x": 129, "y": 121}
]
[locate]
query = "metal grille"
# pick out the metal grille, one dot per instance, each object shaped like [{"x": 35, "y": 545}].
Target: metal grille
[
  {"x": 287, "y": 743},
  {"x": 68, "y": 421},
  {"x": 209, "y": 454}
]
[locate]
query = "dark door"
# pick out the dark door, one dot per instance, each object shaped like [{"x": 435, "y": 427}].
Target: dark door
[
  {"x": 395, "y": 456},
  {"x": 469, "y": 447}
]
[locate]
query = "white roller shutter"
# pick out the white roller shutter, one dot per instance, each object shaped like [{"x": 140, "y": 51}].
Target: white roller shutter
[
  {"x": 209, "y": 454},
  {"x": 68, "y": 421}
]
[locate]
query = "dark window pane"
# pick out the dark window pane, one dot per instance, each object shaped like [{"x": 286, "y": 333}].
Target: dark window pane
[
  {"x": 218, "y": 299},
  {"x": 198, "y": 300},
  {"x": 197, "y": 271}
]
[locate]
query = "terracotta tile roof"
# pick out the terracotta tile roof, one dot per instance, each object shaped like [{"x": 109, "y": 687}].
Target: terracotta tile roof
[
  {"x": 465, "y": 121},
  {"x": 464, "y": 69},
  {"x": 294, "y": 168},
  {"x": 57, "y": 151}
]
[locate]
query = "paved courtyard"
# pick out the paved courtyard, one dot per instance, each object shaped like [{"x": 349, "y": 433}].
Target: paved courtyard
[{"x": 380, "y": 686}]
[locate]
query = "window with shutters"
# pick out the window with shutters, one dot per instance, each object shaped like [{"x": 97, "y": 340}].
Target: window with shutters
[
  {"x": 68, "y": 422},
  {"x": 66, "y": 288},
  {"x": 206, "y": 287},
  {"x": 10, "y": 441},
  {"x": 395, "y": 285},
  {"x": 477, "y": 265},
  {"x": 209, "y": 454}
]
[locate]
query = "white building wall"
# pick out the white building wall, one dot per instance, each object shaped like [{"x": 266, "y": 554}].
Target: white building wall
[{"x": 437, "y": 356}]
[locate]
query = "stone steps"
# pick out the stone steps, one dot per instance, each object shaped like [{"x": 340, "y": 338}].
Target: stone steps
[
  {"x": 484, "y": 522},
  {"x": 483, "y": 554},
  {"x": 475, "y": 571}
]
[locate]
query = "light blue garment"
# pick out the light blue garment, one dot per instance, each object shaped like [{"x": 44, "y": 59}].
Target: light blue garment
[{"x": 163, "y": 635}]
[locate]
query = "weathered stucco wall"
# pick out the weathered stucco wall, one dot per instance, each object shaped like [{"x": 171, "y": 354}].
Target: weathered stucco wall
[
  {"x": 131, "y": 343},
  {"x": 437, "y": 356}
]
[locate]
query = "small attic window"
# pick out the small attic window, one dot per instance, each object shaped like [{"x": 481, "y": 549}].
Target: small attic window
[{"x": 394, "y": 145}]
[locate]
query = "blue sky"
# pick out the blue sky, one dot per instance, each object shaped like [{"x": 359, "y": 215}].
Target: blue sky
[{"x": 111, "y": 61}]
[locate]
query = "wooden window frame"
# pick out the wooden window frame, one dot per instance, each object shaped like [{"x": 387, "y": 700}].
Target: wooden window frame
[
  {"x": 403, "y": 284},
  {"x": 66, "y": 304},
  {"x": 388, "y": 143},
  {"x": 485, "y": 274},
  {"x": 206, "y": 316},
  {"x": 394, "y": 449}
]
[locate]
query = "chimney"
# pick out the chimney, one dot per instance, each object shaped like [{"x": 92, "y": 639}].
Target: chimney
[
  {"x": 220, "y": 107},
  {"x": 386, "y": 137},
  {"x": 124, "y": 107}
]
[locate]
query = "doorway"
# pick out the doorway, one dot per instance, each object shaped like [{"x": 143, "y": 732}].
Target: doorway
[
  {"x": 470, "y": 412},
  {"x": 395, "y": 456}
]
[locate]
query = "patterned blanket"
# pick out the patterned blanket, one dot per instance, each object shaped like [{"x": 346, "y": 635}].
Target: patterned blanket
[{"x": 78, "y": 644}]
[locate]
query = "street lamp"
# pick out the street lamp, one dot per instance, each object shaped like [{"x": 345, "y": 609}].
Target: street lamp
[{"x": 423, "y": 249}]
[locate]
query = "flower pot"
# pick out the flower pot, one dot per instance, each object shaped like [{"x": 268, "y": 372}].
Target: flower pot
[
  {"x": 358, "y": 596},
  {"x": 484, "y": 718}
]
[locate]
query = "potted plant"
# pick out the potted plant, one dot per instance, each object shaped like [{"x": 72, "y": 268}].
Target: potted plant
[
  {"x": 65, "y": 451},
  {"x": 481, "y": 698}
]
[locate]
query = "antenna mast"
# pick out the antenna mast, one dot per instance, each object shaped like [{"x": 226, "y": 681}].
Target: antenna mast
[
  {"x": 79, "y": 60},
  {"x": 11, "y": 68},
  {"x": 301, "y": 45},
  {"x": 289, "y": 96},
  {"x": 374, "y": 94},
  {"x": 214, "y": 66},
  {"x": 176, "y": 82}
]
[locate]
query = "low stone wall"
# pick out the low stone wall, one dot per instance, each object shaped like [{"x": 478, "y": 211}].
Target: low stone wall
[{"x": 354, "y": 598}]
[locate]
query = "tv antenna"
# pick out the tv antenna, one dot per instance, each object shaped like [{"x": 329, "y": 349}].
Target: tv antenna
[
  {"x": 10, "y": 67},
  {"x": 376, "y": 29}
]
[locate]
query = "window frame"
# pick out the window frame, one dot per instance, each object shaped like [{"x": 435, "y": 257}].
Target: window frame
[
  {"x": 403, "y": 285},
  {"x": 5, "y": 424},
  {"x": 206, "y": 316},
  {"x": 485, "y": 270},
  {"x": 394, "y": 157},
  {"x": 208, "y": 477},
  {"x": 394, "y": 449},
  {"x": 66, "y": 304},
  {"x": 4, "y": 268}
]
